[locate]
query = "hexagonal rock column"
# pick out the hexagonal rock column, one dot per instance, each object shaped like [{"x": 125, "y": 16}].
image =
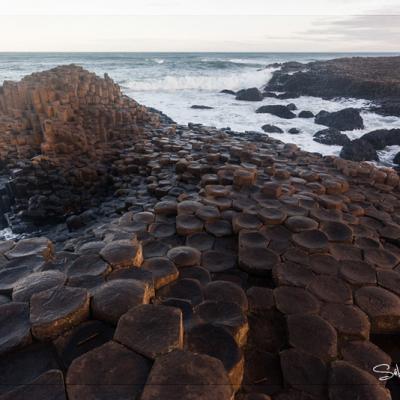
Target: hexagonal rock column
[
  {"x": 48, "y": 386},
  {"x": 185, "y": 375},
  {"x": 382, "y": 307},
  {"x": 57, "y": 310},
  {"x": 122, "y": 254},
  {"x": 116, "y": 297},
  {"x": 217, "y": 342},
  {"x": 14, "y": 326},
  {"x": 347, "y": 382},
  {"x": 108, "y": 372},
  {"x": 151, "y": 330},
  {"x": 35, "y": 246},
  {"x": 163, "y": 270}
]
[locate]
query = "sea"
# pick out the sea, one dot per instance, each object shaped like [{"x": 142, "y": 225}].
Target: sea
[{"x": 173, "y": 82}]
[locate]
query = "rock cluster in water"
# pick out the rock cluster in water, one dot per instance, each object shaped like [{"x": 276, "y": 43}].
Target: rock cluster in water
[{"x": 239, "y": 267}]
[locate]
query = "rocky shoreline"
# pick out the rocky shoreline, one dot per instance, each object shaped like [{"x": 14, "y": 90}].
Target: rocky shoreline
[{"x": 205, "y": 264}]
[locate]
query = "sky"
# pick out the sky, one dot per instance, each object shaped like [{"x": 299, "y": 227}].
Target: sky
[{"x": 200, "y": 25}]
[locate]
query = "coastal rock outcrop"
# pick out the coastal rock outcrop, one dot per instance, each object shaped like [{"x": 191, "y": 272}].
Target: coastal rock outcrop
[
  {"x": 343, "y": 120},
  {"x": 359, "y": 150},
  {"x": 331, "y": 136},
  {"x": 252, "y": 94},
  {"x": 278, "y": 110}
]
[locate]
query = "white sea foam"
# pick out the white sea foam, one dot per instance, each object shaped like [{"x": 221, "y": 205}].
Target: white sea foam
[{"x": 215, "y": 81}]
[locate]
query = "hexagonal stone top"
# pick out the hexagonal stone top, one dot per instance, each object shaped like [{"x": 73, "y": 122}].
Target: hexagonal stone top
[
  {"x": 56, "y": 310},
  {"x": 185, "y": 375},
  {"x": 14, "y": 326},
  {"x": 151, "y": 330},
  {"x": 107, "y": 372},
  {"x": 34, "y": 246},
  {"x": 122, "y": 254}
]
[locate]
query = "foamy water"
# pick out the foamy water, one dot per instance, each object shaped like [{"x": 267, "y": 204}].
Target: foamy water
[{"x": 173, "y": 82}]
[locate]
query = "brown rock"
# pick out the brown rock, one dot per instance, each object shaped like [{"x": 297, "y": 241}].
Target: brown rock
[
  {"x": 218, "y": 261},
  {"x": 188, "y": 224},
  {"x": 162, "y": 269},
  {"x": 337, "y": 231},
  {"x": 271, "y": 216},
  {"x": 293, "y": 300},
  {"x": 198, "y": 273},
  {"x": 201, "y": 241},
  {"x": 311, "y": 240},
  {"x": 245, "y": 221},
  {"x": 260, "y": 299},
  {"x": 56, "y": 310},
  {"x": 313, "y": 335},
  {"x": 108, "y": 372},
  {"x": 357, "y": 273},
  {"x": 227, "y": 292},
  {"x": 324, "y": 264},
  {"x": 151, "y": 330},
  {"x": 187, "y": 376},
  {"x": 219, "y": 227},
  {"x": 300, "y": 224},
  {"x": 114, "y": 298},
  {"x": 90, "y": 264},
  {"x": 40, "y": 246},
  {"x": 292, "y": 274},
  {"x": 186, "y": 289},
  {"x": 331, "y": 289},
  {"x": 184, "y": 256},
  {"x": 389, "y": 279},
  {"x": 257, "y": 260},
  {"x": 122, "y": 254}
]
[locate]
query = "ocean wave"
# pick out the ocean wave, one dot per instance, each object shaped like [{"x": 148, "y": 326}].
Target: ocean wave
[{"x": 218, "y": 81}]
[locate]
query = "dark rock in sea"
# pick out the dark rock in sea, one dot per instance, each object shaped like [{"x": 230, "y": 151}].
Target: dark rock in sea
[
  {"x": 271, "y": 129},
  {"x": 278, "y": 110},
  {"x": 226, "y": 91},
  {"x": 306, "y": 114},
  {"x": 294, "y": 131},
  {"x": 331, "y": 136},
  {"x": 288, "y": 95},
  {"x": 396, "y": 159},
  {"x": 200, "y": 107},
  {"x": 387, "y": 106},
  {"x": 252, "y": 94},
  {"x": 270, "y": 94},
  {"x": 343, "y": 120},
  {"x": 359, "y": 150},
  {"x": 291, "y": 107},
  {"x": 381, "y": 138}
]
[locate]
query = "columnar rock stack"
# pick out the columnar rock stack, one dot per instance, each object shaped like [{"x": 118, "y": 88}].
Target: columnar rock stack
[
  {"x": 239, "y": 267},
  {"x": 74, "y": 124}
]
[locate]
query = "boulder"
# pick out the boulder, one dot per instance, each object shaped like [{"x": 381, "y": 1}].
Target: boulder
[
  {"x": 122, "y": 254},
  {"x": 381, "y": 138},
  {"x": 200, "y": 107},
  {"x": 331, "y": 136},
  {"x": 252, "y": 94},
  {"x": 294, "y": 131},
  {"x": 343, "y": 120},
  {"x": 271, "y": 129},
  {"x": 278, "y": 110},
  {"x": 306, "y": 114},
  {"x": 359, "y": 150},
  {"x": 227, "y": 91}
]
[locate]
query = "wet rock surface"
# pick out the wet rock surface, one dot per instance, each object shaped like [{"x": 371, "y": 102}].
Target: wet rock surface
[{"x": 222, "y": 265}]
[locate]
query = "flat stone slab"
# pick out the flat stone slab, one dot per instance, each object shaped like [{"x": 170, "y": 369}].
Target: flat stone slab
[
  {"x": 219, "y": 228},
  {"x": 227, "y": 292},
  {"x": 324, "y": 264},
  {"x": 48, "y": 386},
  {"x": 81, "y": 339},
  {"x": 300, "y": 224},
  {"x": 337, "y": 231},
  {"x": 312, "y": 240},
  {"x": 163, "y": 270},
  {"x": 10, "y": 276},
  {"x": 14, "y": 326},
  {"x": 122, "y": 254},
  {"x": 154, "y": 248},
  {"x": 187, "y": 376},
  {"x": 56, "y": 310},
  {"x": 108, "y": 372},
  {"x": 289, "y": 273},
  {"x": 201, "y": 241},
  {"x": 188, "y": 224},
  {"x": 381, "y": 258},
  {"x": 116, "y": 297},
  {"x": 390, "y": 280},
  {"x": 313, "y": 335},
  {"x": 260, "y": 299},
  {"x": 257, "y": 260},
  {"x": 304, "y": 372},
  {"x": 294, "y": 300},
  {"x": 382, "y": 307},
  {"x": 229, "y": 315},
  {"x": 40, "y": 246},
  {"x": 217, "y": 342},
  {"x": 151, "y": 330},
  {"x": 357, "y": 273},
  {"x": 90, "y": 264},
  {"x": 137, "y": 274},
  {"x": 347, "y": 382},
  {"x": 199, "y": 273},
  {"x": 184, "y": 256},
  {"x": 218, "y": 261},
  {"x": 331, "y": 289},
  {"x": 185, "y": 289},
  {"x": 37, "y": 282},
  {"x": 349, "y": 321}
]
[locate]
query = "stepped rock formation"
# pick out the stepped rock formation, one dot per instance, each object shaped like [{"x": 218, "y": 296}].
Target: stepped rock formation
[
  {"x": 63, "y": 128},
  {"x": 234, "y": 267}
]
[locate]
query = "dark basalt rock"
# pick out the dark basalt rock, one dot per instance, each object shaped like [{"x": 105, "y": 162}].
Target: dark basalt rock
[
  {"x": 331, "y": 136},
  {"x": 359, "y": 150},
  {"x": 108, "y": 372},
  {"x": 396, "y": 159},
  {"x": 252, "y": 94},
  {"x": 200, "y": 107},
  {"x": 278, "y": 110},
  {"x": 306, "y": 114},
  {"x": 227, "y": 91},
  {"x": 343, "y": 120},
  {"x": 151, "y": 330},
  {"x": 294, "y": 131},
  {"x": 381, "y": 138},
  {"x": 271, "y": 129},
  {"x": 187, "y": 376}
]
